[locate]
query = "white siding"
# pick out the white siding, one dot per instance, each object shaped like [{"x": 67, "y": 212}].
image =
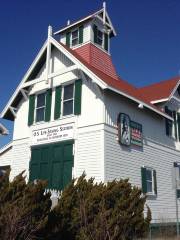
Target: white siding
[
  {"x": 6, "y": 157},
  {"x": 153, "y": 124},
  {"x": 21, "y": 157},
  {"x": 89, "y": 154},
  {"x": 126, "y": 162}
]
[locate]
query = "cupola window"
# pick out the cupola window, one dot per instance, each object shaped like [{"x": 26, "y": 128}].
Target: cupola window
[
  {"x": 99, "y": 37},
  {"x": 74, "y": 37}
]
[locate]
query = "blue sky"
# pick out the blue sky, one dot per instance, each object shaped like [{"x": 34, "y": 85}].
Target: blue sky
[{"x": 146, "y": 49}]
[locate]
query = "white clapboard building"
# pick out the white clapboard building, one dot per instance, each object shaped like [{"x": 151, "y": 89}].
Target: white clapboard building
[{"x": 73, "y": 113}]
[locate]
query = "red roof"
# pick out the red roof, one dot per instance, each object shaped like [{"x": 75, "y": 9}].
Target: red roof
[
  {"x": 160, "y": 90},
  {"x": 119, "y": 84}
]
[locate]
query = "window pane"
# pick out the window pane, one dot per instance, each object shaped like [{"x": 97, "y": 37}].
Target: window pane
[
  {"x": 40, "y": 114},
  {"x": 74, "y": 42},
  {"x": 149, "y": 175},
  {"x": 149, "y": 186},
  {"x": 40, "y": 100},
  {"x": 75, "y": 34},
  {"x": 100, "y": 35},
  {"x": 68, "y": 91},
  {"x": 68, "y": 107}
]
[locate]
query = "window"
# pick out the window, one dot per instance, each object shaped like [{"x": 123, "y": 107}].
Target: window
[
  {"x": 171, "y": 127},
  {"x": 74, "y": 37},
  {"x": 3, "y": 170},
  {"x": 99, "y": 37},
  {"x": 68, "y": 100},
  {"x": 40, "y": 107},
  {"x": 149, "y": 182}
]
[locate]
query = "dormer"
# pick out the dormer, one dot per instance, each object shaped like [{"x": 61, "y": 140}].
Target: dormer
[
  {"x": 90, "y": 38},
  {"x": 95, "y": 28}
]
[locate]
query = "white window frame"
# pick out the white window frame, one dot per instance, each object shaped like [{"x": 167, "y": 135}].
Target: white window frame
[
  {"x": 152, "y": 171},
  {"x": 35, "y": 112},
  {"x": 173, "y": 136},
  {"x": 100, "y": 38},
  {"x": 71, "y": 39},
  {"x": 62, "y": 100}
]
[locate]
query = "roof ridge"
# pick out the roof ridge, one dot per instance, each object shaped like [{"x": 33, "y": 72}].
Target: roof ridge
[{"x": 160, "y": 82}]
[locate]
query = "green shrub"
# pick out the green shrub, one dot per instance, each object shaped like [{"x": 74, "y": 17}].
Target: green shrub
[
  {"x": 85, "y": 211},
  {"x": 89, "y": 211},
  {"x": 24, "y": 208}
]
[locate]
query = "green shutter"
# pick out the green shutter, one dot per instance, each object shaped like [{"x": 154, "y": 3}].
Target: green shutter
[
  {"x": 81, "y": 34},
  {"x": 57, "y": 109},
  {"x": 178, "y": 193},
  {"x": 68, "y": 163},
  {"x": 106, "y": 43},
  {"x": 155, "y": 181},
  {"x": 34, "y": 166},
  {"x": 175, "y": 123},
  {"x": 77, "y": 97},
  {"x": 48, "y": 105},
  {"x": 68, "y": 35},
  {"x": 31, "y": 109},
  {"x": 178, "y": 123},
  {"x": 167, "y": 122},
  {"x": 143, "y": 178},
  {"x": 95, "y": 33}
]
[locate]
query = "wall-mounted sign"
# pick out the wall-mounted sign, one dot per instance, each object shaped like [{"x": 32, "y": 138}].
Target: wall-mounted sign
[
  {"x": 136, "y": 133},
  {"x": 124, "y": 129},
  {"x": 53, "y": 134},
  {"x": 129, "y": 132}
]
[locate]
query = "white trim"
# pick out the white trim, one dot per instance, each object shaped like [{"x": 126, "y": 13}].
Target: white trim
[
  {"x": 55, "y": 74},
  {"x": 140, "y": 102},
  {"x": 6, "y": 147},
  {"x": 4, "y": 130},
  {"x": 48, "y": 54},
  {"x": 174, "y": 90},
  {"x": 24, "y": 93},
  {"x": 81, "y": 66},
  {"x": 88, "y": 17},
  {"x": 24, "y": 79},
  {"x": 76, "y": 23},
  {"x": 13, "y": 111},
  {"x": 177, "y": 99},
  {"x": 169, "y": 98},
  {"x": 63, "y": 71},
  {"x": 160, "y": 100}
]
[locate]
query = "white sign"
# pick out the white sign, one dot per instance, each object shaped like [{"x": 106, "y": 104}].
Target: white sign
[{"x": 53, "y": 134}]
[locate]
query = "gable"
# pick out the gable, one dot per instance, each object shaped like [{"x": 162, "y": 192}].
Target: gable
[{"x": 75, "y": 63}]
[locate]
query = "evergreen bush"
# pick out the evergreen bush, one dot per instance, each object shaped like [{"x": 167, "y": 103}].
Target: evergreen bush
[
  {"x": 85, "y": 211},
  {"x": 91, "y": 211}
]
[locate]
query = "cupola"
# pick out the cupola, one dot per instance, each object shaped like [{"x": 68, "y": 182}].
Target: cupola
[{"x": 90, "y": 38}]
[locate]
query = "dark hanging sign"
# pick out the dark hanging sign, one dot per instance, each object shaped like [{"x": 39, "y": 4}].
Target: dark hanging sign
[
  {"x": 129, "y": 132},
  {"x": 124, "y": 129}
]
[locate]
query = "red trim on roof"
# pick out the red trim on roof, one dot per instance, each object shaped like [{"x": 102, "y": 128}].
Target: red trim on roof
[
  {"x": 97, "y": 58},
  {"x": 119, "y": 84},
  {"x": 160, "y": 90}
]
